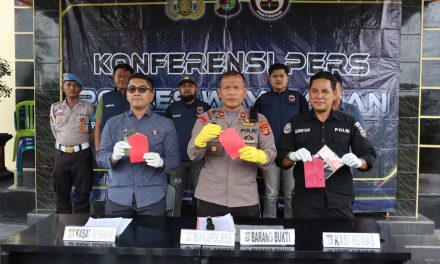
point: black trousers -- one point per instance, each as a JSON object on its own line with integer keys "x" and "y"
{"x": 113, "y": 209}
{"x": 73, "y": 169}
{"x": 302, "y": 210}
{"x": 205, "y": 209}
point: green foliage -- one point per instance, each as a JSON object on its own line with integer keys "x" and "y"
{"x": 5, "y": 91}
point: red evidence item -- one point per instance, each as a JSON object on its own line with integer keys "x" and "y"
{"x": 139, "y": 146}
{"x": 232, "y": 142}
{"x": 314, "y": 173}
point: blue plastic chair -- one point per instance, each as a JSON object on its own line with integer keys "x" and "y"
{"x": 24, "y": 124}
{"x": 25, "y": 144}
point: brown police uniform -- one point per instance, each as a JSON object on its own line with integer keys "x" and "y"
{"x": 227, "y": 182}
{"x": 73, "y": 156}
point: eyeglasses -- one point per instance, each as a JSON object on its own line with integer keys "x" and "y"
{"x": 140, "y": 89}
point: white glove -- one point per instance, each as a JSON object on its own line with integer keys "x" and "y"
{"x": 153, "y": 159}
{"x": 119, "y": 150}
{"x": 301, "y": 154}
{"x": 351, "y": 160}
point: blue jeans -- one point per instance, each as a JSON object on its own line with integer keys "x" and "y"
{"x": 179, "y": 177}
{"x": 272, "y": 187}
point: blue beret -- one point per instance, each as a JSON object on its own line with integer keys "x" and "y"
{"x": 72, "y": 77}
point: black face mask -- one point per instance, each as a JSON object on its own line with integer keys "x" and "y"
{"x": 187, "y": 98}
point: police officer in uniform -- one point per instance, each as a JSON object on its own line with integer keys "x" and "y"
{"x": 304, "y": 135}
{"x": 114, "y": 102}
{"x": 226, "y": 185}
{"x": 184, "y": 114}
{"x": 70, "y": 124}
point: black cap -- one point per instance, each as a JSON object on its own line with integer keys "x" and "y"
{"x": 187, "y": 79}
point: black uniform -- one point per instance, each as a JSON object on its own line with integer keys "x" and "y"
{"x": 339, "y": 132}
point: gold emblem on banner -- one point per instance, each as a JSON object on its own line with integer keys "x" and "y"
{"x": 185, "y": 9}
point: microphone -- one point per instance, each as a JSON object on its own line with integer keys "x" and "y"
{"x": 209, "y": 224}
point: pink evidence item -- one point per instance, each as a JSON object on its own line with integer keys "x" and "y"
{"x": 139, "y": 146}
{"x": 314, "y": 173}
{"x": 232, "y": 142}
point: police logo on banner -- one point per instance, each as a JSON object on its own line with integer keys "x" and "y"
{"x": 227, "y": 8}
{"x": 269, "y": 9}
{"x": 185, "y": 9}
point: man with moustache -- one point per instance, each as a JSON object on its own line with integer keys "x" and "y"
{"x": 138, "y": 188}
{"x": 114, "y": 102}
{"x": 70, "y": 124}
{"x": 226, "y": 185}
{"x": 184, "y": 114}
{"x": 305, "y": 134}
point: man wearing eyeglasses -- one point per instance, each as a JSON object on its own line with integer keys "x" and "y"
{"x": 184, "y": 114}
{"x": 229, "y": 185}
{"x": 114, "y": 102}
{"x": 70, "y": 124}
{"x": 138, "y": 188}
{"x": 279, "y": 105}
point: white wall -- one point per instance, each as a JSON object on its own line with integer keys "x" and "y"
{"x": 7, "y": 52}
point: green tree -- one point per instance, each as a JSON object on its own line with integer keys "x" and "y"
{"x": 5, "y": 91}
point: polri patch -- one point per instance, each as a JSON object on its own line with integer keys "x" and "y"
{"x": 264, "y": 127}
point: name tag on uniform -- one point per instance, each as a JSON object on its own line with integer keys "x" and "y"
{"x": 267, "y": 237}
{"x": 84, "y": 233}
{"x": 351, "y": 240}
{"x": 207, "y": 237}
